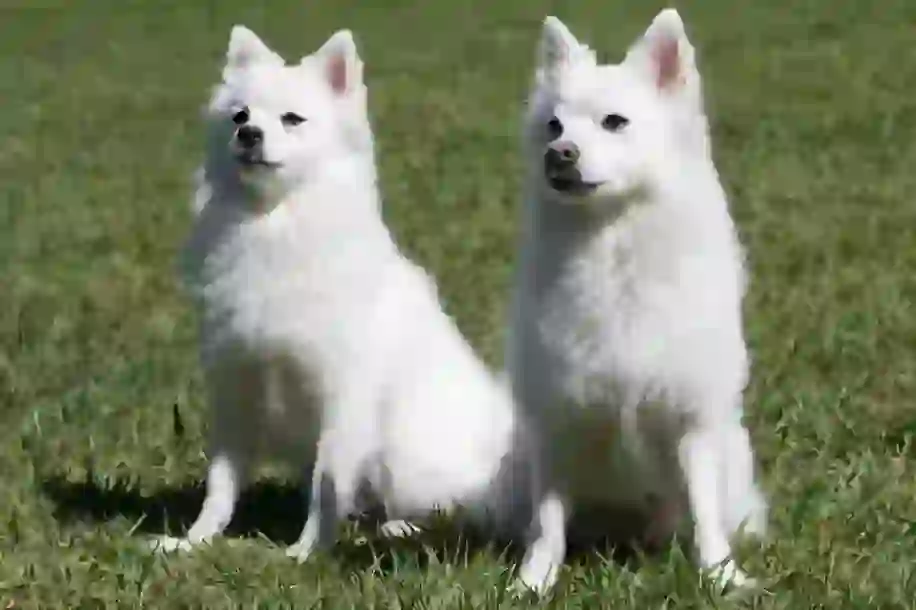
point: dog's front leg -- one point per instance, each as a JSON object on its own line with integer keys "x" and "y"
{"x": 342, "y": 451}
{"x": 226, "y": 476}
{"x": 320, "y": 529}
{"x": 743, "y": 505}
{"x": 225, "y": 480}
{"x": 699, "y": 459}
{"x": 547, "y": 542}
{"x": 234, "y": 389}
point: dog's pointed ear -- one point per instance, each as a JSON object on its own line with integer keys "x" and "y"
{"x": 664, "y": 54}
{"x": 340, "y": 61}
{"x": 558, "y": 47}
{"x": 246, "y": 49}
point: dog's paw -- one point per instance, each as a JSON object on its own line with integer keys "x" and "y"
{"x": 527, "y": 587}
{"x": 533, "y": 578}
{"x": 300, "y": 551}
{"x": 398, "y": 528}
{"x": 729, "y": 575}
{"x": 517, "y": 589}
{"x": 520, "y": 588}
{"x": 170, "y": 544}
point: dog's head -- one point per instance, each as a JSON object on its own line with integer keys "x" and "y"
{"x": 602, "y": 132}
{"x": 278, "y": 124}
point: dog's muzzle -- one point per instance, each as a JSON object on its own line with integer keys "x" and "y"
{"x": 561, "y": 168}
{"x": 249, "y": 136}
{"x": 250, "y": 146}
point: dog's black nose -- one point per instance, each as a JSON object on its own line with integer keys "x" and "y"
{"x": 249, "y": 136}
{"x": 560, "y": 166}
{"x": 561, "y": 155}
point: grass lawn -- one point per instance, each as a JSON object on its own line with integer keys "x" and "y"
{"x": 814, "y": 118}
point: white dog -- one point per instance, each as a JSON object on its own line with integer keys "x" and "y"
{"x": 320, "y": 340}
{"x": 626, "y": 342}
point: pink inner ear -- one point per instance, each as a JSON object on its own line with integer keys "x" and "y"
{"x": 337, "y": 73}
{"x": 667, "y": 59}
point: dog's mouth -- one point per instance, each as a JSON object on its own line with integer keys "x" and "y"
{"x": 255, "y": 160}
{"x": 569, "y": 185}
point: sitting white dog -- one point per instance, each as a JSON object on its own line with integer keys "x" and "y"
{"x": 320, "y": 341}
{"x": 626, "y": 342}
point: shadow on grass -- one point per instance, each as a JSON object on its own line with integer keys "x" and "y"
{"x": 278, "y": 511}
{"x": 266, "y": 508}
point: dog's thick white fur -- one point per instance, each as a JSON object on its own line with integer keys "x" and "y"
{"x": 320, "y": 340}
{"x": 626, "y": 341}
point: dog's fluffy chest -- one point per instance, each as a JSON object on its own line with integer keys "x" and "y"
{"x": 610, "y": 313}
{"x": 634, "y": 311}
{"x": 269, "y": 287}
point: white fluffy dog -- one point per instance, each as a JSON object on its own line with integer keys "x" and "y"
{"x": 320, "y": 340}
{"x": 626, "y": 342}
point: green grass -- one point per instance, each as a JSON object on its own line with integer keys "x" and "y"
{"x": 814, "y": 114}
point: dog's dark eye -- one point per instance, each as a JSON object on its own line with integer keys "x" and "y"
{"x": 554, "y": 128}
{"x": 240, "y": 117}
{"x": 291, "y": 119}
{"x": 615, "y": 122}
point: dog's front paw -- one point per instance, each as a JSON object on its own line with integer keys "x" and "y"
{"x": 170, "y": 544}
{"x": 518, "y": 589}
{"x": 398, "y": 528}
{"x": 536, "y": 577}
{"x": 300, "y": 551}
{"x": 523, "y": 587}
{"x": 729, "y": 575}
